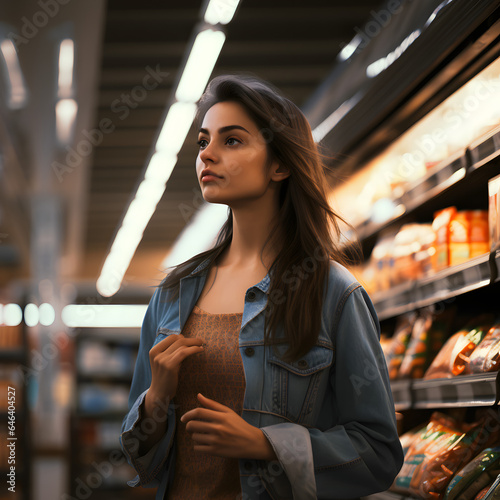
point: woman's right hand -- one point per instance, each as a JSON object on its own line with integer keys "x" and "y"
{"x": 166, "y": 358}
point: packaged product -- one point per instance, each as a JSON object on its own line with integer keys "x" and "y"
{"x": 494, "y": 212}
{"x": 409, "y": 437}
{"x": 399, "y": 342}
{"x": 441, "y": 228}
{"x": 383, "y": 262}
{"x": 486, "y": 356}
{"x": 477, "y": 474}
{"x": 454, "y": 355}
{"x": 460, "y": 238}
{"x": 439, "y": 452}
{"x": 479, "y": 236}
{"x": 413, "y": 247}
{"x": 427, "y": 337}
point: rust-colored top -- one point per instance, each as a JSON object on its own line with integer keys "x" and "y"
{"x": 218, "y": 374}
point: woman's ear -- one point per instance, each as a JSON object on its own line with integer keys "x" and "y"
{"x": 279, "y": 172}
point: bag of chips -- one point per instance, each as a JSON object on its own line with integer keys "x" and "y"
{"x": 427, "y": 338}
{"x": 477, "y": 474}
{"x": 486, "y": 357}
{"x": 439, "y": 452}
{"x": 454, "y": 355}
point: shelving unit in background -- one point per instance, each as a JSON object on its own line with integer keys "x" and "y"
{"x": 462, "y": 181}
{"x": 104, "y": 364}
{"x": 14, "y": 353}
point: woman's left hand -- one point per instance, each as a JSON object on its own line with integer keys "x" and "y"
{"x": 218, "y": 430}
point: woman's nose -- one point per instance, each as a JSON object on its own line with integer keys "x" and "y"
{"x": 208, "y": 154}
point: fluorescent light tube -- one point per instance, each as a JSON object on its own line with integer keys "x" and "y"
{"x": 104, "y": 315}
{"x": 14, "y": 75}
{"x": 220, "y": 11}
{"x": 199, "y": 236}
{"x": 176, "y": 127}
{"x": 66, "y": 110}
{"x": 200, "y": 64}
{"x": 66, "y": 62}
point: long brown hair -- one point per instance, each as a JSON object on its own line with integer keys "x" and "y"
{"x": 309, "y": 225}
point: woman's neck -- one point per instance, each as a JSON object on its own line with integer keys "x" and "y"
{"x": 252, "y": 227}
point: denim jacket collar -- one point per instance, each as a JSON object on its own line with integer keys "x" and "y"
{"x": 191, "y": 287}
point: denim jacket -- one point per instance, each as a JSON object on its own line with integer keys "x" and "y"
{"x": 329, "y": 416}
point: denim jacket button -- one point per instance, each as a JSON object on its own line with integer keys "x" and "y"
{"x": 249, "y": 351}
{"x": 302, "y": 364}
{"x": 251, "y": 296}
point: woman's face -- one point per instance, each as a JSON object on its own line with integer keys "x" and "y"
{"x": 232, "y": 148}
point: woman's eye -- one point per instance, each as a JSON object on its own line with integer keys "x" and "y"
{"x": 202, "y": 143}
{"x": 232, "y": 141}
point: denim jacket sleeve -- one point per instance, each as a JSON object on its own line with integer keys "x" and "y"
{"x": 150, "y": 466}
{"x": 359, "y": 453}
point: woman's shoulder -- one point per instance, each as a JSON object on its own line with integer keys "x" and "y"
{"x": 339, "y": 277}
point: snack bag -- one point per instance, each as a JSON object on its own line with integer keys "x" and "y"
{"x": 427, "y": 338}
{"x": 399, "y": 342}
{"x": 454, "y": 356}
{"x": 409, "y": 437}
{"x": 477, "y": 474}
{"x": 486, "y": 356}
{"x": 440, "y": 451}
{"x": 441, "y": 428}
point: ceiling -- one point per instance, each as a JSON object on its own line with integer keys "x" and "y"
{"x": 292, "y": 44}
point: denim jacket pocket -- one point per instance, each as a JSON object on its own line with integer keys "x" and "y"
{"x": 296, "y": 384}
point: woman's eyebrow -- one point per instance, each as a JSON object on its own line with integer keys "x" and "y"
{"x": 227, "y": 128}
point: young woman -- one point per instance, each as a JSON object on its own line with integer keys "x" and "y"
{"x": 259, "y": 373}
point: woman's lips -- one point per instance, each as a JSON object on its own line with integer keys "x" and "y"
{"x": 209, "y": 178}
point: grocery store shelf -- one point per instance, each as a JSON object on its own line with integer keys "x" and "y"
{"x": 443, "y": 285}
{"x": 473, "y": 390}
{"x": 485, "y": 149}
{"x": 442, "y": 176}
{"x": 402, "y": 394}
{"x": 460, "y": 391}
{"x": 438, "y": 179}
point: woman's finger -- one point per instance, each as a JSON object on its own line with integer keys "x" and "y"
{"x": 200, "y": 414}
{"x": 164, "y": 344}
{"x": 201, "y": 439}
{"x": 198, "y": 426}
{"x": 213, "y": 405}
{"x": 182, "y": 353}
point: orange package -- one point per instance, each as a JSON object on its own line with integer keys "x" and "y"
{"x": 454, "y": 356}
{"x": 439, "y": 452}
{"x": 460, "y": 238}
{"x": 441, "y": 228}
{"x": 479, "y": 233}
{"x": 486, "y": 356}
